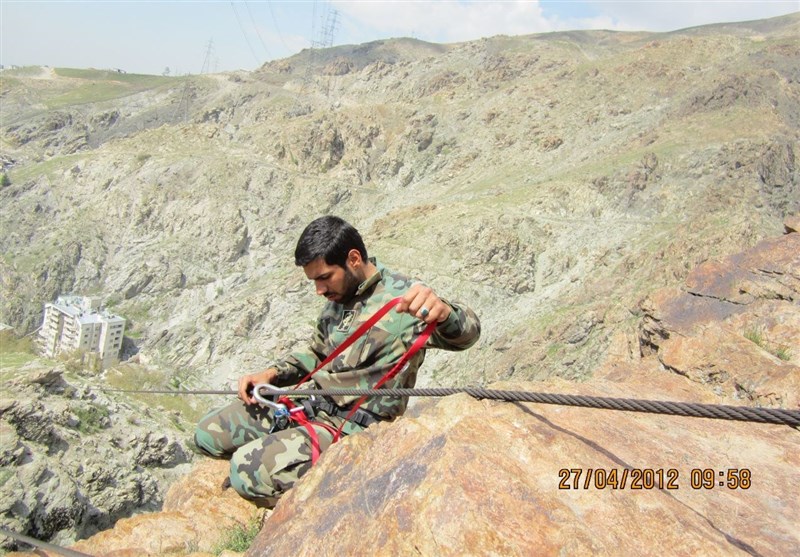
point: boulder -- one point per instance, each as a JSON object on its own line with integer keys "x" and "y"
{"x": 466, "y": 477}
{"x": 198, "y": 511}
{"x": 735, "y": 325}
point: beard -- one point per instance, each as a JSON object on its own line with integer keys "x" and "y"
{"x": 349, "y": 289}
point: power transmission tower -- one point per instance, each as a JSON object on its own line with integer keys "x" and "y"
{"x": 209, "y": 53}
{"x": 330, "y": 21}
{"x": 328, "y": 30}
{"x": 326, "y": 38}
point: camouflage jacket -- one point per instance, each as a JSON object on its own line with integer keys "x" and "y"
{"x": 364, "y": 363}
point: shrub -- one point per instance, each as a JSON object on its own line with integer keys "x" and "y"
{"x": 239, "y": 538}
{"x": 757, "y": 336}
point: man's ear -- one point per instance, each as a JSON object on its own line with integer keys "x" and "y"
{"x": 354, "y": 258}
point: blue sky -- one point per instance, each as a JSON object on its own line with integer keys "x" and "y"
{"x": 188, "y": 36}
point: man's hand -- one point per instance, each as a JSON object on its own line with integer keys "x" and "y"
{"x": 248, "y": 382}
{"x": 423, "y": 303}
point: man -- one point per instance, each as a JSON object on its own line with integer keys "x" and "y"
{"x": 267, "y": 455}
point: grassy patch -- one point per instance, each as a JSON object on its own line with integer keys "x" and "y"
{"x": 5, "y": 473}
{"x": 15, "y": 360}
{"x": 782, "y": 352}
{"x": 50, "y": 168}
{"x": 14, "y": 351}
{"x": 92, "y": 416}
{"x": 134, "y": 377}
{"x": 240, "y": 538}
{"x": 103, "y": 85}
{"x": 757, "y": 336}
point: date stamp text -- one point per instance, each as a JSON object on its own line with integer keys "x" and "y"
{"x": 652, "y": 478}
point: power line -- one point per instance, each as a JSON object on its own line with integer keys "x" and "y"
{"x": 258, "y": 33}
{"x": 277, "y": 27}
{"x": 244, "y": 34}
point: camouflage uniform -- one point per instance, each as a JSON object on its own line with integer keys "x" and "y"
{"x": 264, "y": 465}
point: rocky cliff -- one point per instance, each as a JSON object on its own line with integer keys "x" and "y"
{"x": 75, "y": 459}
{"x": 459, "y": 476}
{"x": 534, "y": 177}
{"x": 564, "y": 185}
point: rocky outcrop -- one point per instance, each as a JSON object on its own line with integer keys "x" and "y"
{"x": 74, "y": 460}
{"x": 465, "y": 477}
{"x": 199, "y": 512}
{"x": 735, "y": 324}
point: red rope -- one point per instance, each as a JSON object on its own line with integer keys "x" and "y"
{"x": 300, "y": 415}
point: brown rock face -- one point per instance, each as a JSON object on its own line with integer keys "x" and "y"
{"x": 197, "y": 512}
{"x": 735, "y": 326}
{"x": 466, "y": 477}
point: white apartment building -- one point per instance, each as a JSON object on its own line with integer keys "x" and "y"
{"x": 78, "y": 323}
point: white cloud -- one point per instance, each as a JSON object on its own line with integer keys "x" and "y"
{"x": 442, "y": 21}
{"x": 662, "y": 15}
{"x": 446, "y": 21}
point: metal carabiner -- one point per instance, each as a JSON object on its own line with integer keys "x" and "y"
{"x": 277, "y": 406}
{"x": 280, "y": 409}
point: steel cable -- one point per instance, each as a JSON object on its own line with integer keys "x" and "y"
{"x": 688, "y": 409}
{"x": 42, "y": 545}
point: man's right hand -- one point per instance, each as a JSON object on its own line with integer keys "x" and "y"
{"x": 248, "y": 382}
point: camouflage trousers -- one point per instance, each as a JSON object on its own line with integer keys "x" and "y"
{"x": 264, "y": 465}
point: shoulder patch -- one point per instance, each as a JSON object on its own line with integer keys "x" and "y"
{"x": 348, "y": 316}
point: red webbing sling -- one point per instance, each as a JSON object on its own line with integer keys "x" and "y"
{"x": 300, "y": 416}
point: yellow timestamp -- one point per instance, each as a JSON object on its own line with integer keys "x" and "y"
{"x": 652, "y": 478}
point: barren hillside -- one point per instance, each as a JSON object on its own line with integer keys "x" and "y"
{"x": 551, "y": 181}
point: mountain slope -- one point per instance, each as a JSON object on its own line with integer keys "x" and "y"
{"x": 550, "y": 181}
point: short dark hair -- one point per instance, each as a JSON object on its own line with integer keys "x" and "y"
{"x": 330, "y": 238}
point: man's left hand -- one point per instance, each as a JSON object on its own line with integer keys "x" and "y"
{"x": 422, "y": 302}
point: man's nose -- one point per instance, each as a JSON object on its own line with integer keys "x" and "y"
{"x": 321, "y": 289}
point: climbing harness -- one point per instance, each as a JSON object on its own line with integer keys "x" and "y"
{"x": 287, "y": 410}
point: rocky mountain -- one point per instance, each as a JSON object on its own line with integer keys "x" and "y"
{"x": 550, "y": 181}
{"x": 553, "y": 182}
{"x": 75, "y": 459}
{"x": 459, "y": 476}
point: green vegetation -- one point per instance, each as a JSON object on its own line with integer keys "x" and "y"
{"x": 5, "y": 181}
{"x": 14, "y": 351}
{"x": 5, "y": 473}
{"x": 103, "y": 85}
{"x": 50, "y": 168}
{"x": 91, "y": 416}
{"x": 133, "y": 376}
{"x": 79, "y": 361}
{"x": 757, "y": 336}
{"x": 240, "y": 538}
{"x": 782, "y": 352}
